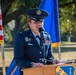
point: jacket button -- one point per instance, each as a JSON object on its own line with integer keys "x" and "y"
{"x": 40, "y": 59}
{"x": 40, "y": 52}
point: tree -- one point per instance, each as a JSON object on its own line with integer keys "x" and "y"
{"x": 14, "y": 9}
{"x": 67, "y": 18}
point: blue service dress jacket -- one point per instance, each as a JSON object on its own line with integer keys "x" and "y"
{"x": 27, "y": 49}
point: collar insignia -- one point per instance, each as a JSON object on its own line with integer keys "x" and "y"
{"x": 26, "y": 39}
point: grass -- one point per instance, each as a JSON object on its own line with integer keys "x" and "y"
{"x": 68, "y": 43}
{"x": 8, "y": 57}
{"x": 68, "y": 51}
{"x": 66, "y": 55}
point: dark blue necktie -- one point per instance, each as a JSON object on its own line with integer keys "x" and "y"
{"x": 41, "y": 44}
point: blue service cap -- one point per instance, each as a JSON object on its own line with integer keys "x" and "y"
{"x": 37, "y": 14}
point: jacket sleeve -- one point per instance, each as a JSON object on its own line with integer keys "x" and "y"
{"x": 19, "y": 52}
{"x": 49, "y": 57}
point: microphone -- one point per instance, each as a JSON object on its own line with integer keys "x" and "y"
{"x": 41, "y": 31}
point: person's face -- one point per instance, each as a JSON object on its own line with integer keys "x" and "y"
{"x": 34, "y": 25}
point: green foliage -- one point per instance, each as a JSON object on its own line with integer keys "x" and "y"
{"x": 7, "y": 34}
{"x": 15, "y": 10}
{"x": 67, "y": 20}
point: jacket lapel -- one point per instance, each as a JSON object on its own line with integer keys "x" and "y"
{"x": 33, "y": 40}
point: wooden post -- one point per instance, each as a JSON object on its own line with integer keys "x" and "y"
{"x": 3, "y": 60}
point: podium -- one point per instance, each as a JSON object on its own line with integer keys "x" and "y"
{"x": 50, "y": 69}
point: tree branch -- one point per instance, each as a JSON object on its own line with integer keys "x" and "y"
{"x": 13, "y": 15}
{"x": 5, "y": 6}
{"x": 66, "y": 4}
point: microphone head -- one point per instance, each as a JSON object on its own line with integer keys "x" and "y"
{"x": 41, "y": 29}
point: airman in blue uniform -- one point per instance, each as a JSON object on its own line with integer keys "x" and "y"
{"x": 27, "y": 50}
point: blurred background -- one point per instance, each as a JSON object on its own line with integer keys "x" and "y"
{"x": 15, "y": 20}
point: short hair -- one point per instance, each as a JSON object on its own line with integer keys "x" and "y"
{"x": 28, "y": 20}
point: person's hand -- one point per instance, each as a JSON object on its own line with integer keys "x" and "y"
{"x": 36, "y": 64}
{"x": 55, "y": 61}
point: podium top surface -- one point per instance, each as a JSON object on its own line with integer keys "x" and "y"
{"x": 50, "y": 69}
{"x": 55, "y": 65}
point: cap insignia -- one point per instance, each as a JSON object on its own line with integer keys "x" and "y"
{"x": 38, "y": 12}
